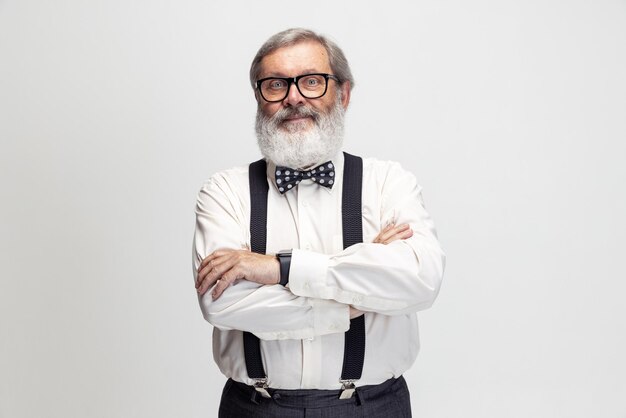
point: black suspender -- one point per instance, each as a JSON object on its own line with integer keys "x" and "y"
{"x": 354, "y": 348}
{"x": 352, "y": 224}
{"x": 258, "y": 237}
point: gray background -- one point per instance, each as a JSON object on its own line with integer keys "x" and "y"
{"x": 510, "y": 113}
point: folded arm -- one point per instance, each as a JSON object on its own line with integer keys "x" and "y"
{"x": 403, "y": 276}
{"x": 269, "y": 311}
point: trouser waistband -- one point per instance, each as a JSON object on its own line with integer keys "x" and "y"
{"x": 315, "y": 398}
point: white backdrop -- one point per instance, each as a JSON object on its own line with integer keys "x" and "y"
{"x": 512, "y": 114}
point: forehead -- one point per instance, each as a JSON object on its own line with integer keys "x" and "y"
{"x": 293, "y": 60}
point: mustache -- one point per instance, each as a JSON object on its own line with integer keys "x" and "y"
{"x": 290, "y": 112}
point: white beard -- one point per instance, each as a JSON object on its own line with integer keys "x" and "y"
{"x": 298, "y": 148}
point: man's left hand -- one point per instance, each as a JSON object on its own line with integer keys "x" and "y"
{"x": 223, "y": 267}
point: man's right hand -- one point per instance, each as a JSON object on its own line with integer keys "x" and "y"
{"x": 222, "y": 267}
{"x": 389, "y": 234}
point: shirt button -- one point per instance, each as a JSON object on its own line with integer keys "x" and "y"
{"x": 306, "y": 285}
{"x": 309, "y": 339}
{"x": 356, "y": 299}
{"x": 332, "y": 326}
{"x": 280, "y": 335}
{"x": 305, "y": 204}
{"x": 307, "y": 246}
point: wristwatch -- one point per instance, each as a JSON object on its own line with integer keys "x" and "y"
{"x": 284, "y": 258}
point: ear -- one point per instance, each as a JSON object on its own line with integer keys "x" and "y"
{"x": 345, "y": 94}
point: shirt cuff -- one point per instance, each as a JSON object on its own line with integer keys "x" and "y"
{"x": 307, "y": 274}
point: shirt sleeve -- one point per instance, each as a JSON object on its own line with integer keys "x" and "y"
{"x": 270, "y": 312}
{"x": 398, "y": 278}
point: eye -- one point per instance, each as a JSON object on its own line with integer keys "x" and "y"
{"x": 311, "y": 81}
{"x": 276, "y": 84}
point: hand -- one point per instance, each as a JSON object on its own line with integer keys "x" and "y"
{"x": 392, "y": 233}
{"x": 222, "y": 267}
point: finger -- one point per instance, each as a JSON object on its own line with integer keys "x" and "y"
{"x": 215, "y": 254}
{"x": 385, "y": 229}
{"x": 215, "y": 266}
{"x": 408, "y": 233}
{"x": 389, "y": 225}
{"x": 222, "y": 284}
{"x": 219, "y": 288}
{"x": 207, "y": 260}
{"x": 203, "y": 269}
{"x": 215, "y": 273}
{"x": 393, "y": 231}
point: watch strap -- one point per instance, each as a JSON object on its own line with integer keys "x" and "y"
{"x": 284, "y": 258}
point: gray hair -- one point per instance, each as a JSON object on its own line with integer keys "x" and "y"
{"x": 338, "y": 62}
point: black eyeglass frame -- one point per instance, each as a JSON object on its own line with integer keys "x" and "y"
{"x": 294, "y": 80}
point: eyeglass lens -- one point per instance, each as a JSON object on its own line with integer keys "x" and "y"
{"x": 310, "y": 86}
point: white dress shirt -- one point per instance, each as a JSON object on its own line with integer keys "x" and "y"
{"x": 302, "y": 326}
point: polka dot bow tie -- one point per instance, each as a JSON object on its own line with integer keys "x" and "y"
{"x": 288, "y": 178}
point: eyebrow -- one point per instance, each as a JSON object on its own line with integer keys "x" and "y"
{"x": 282, "y": 75}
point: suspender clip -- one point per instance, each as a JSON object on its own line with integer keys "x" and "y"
{"x": 347, "y": 389}
{"x": 260, "y": 385}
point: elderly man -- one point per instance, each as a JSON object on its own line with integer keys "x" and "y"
{"x": 311, "y": 263}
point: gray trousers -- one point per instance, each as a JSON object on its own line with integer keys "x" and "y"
{"x": 389, "y": 399}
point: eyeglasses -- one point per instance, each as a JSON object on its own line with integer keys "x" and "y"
{"x": 310, "y": 86}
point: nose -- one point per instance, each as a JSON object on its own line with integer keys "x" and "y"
{"x": 294, "y": 98}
